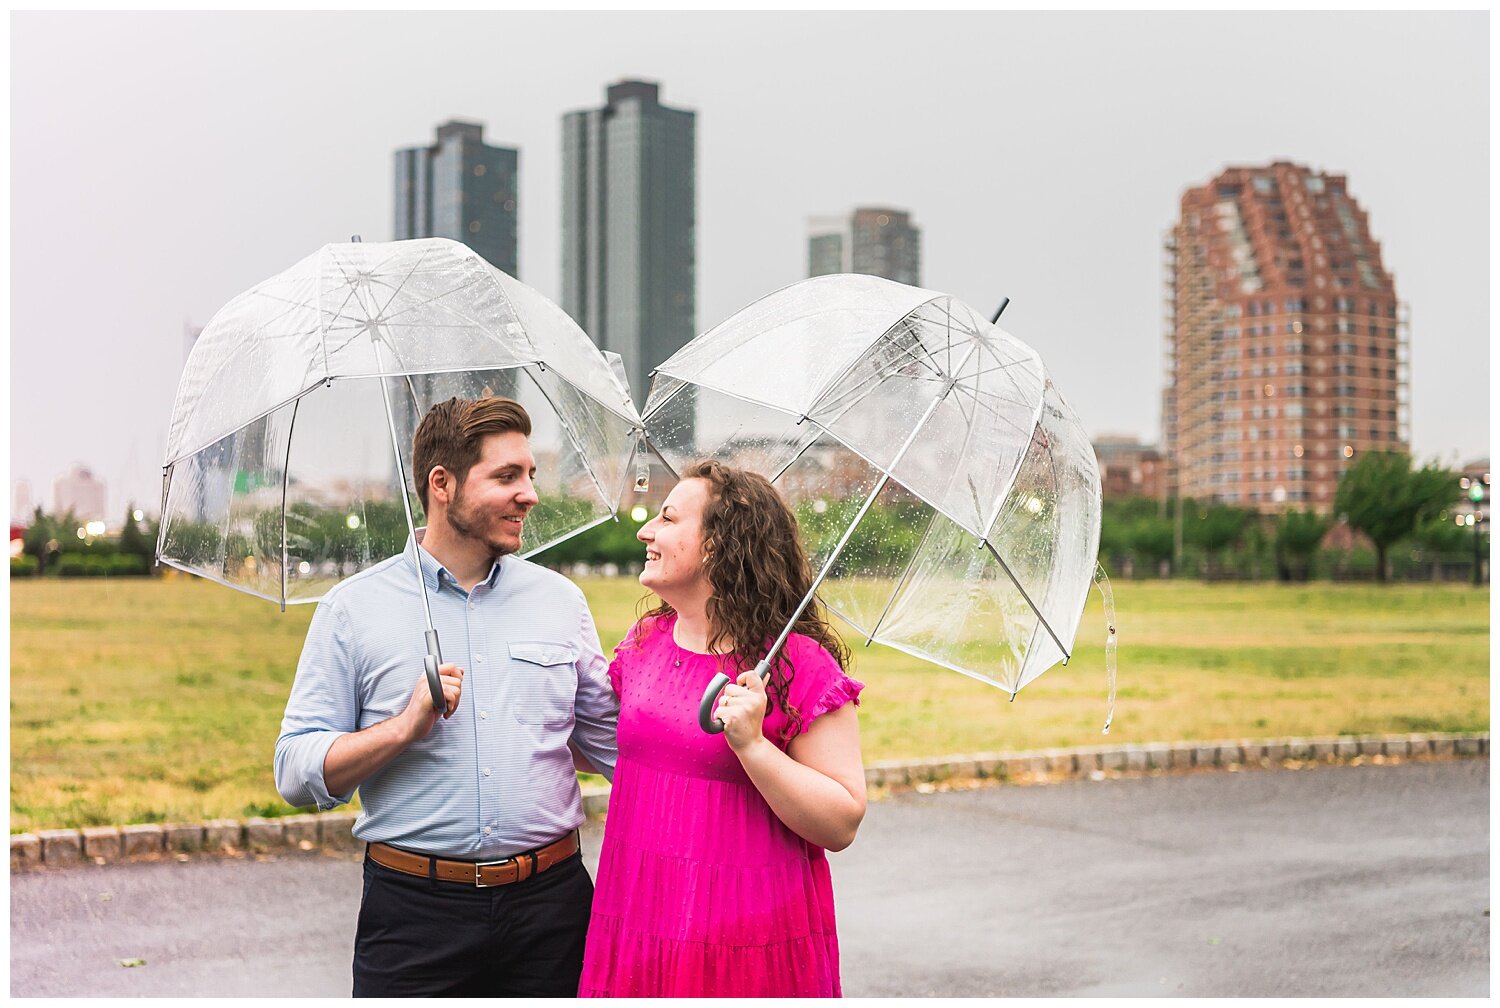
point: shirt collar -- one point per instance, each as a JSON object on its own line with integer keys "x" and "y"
{"x": 435, "y": 575}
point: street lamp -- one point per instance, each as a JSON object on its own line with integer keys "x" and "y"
{"x": 1478, "y": 491}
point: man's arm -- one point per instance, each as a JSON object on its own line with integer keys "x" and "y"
{"x": 324, "y": 704}
{"x": 356, "y": 755}
{"x": 596, "y": 709}
{"x": 321, "y": 755}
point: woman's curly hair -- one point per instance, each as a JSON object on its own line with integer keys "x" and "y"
{"x": 759, "y": 572}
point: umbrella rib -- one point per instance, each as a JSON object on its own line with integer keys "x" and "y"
{"x": 837, "y": 379}
{"x": 905, "y": 574}
{"x": 800, "y": 451}
{"x": 286, "y": 473}
{"x": 1017, "y": 582}
{"x": 1036, "y": 419}
{"x": 436, "y": 299}
{"x": 402, "y": 285}
{"x": 992, "y": 411}
{"x": 888, "y": 369}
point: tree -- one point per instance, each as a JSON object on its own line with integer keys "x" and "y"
{"x": 1382, "y": 496}
{"x": 133, "y": 541}
{"x": 1216, "y": 528}
{"x": 40, "y": 540}
{"x": 1151, "y": 539}
{"x": 1298, "y": 535}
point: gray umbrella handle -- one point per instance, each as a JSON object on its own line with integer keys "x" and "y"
{"x": 431, "y": 661}
{"x": 711, "y": 695}
{"x": 706, "y": 706}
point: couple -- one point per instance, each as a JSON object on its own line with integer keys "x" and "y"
{"x": 712, "y": 876}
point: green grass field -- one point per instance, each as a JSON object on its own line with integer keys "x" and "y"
{"x": 160, "y": 700}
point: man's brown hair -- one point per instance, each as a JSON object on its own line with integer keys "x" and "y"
{"x": 452, "y": 434}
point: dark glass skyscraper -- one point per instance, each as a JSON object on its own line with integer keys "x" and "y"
{"x": 460, "y": 188}
{"x": 464, "y": 189}
{"x": 629, "y": 183}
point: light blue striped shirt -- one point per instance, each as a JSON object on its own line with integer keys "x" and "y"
{"x": 496, "y": 778}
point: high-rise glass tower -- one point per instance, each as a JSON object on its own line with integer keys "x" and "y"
{"x": 877, "y": 241}
{"x": 464, "y": 189}
{"x": 628, "y": 220}
{"x": 460, "y": 188}
{"x": 1287, "y": 348}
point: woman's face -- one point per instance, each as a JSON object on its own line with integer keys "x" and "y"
{"x": 674, "y": 545}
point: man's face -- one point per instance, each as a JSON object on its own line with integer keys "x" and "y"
{"x": 491, "y": 503}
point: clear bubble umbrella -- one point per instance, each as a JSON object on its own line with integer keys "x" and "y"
{"x": 948, "y": 494}
{"x": 288, "y": 461}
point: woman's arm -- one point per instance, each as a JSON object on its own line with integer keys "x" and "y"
{"x": 817, "y": 787}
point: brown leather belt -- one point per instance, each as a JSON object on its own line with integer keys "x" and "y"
{"x": 482, "y": 874}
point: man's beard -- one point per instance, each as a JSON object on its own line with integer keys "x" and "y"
{"x": 461, "y": 521}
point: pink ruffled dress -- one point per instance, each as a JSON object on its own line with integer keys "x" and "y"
{"x": 701, "y": 890}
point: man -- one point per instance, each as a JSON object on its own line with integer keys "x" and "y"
{"x": 473, "y": 880}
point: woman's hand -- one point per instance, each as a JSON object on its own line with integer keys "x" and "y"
{"x": 742, "y": 708}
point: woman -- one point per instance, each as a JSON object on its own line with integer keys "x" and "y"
{"x": 712, "y": 878}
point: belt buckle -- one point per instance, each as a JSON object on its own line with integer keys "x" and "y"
{"x": 522, "y": 874}
{"x": 479, "y": 882}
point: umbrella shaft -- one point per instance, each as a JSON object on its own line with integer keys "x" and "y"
{"x": 885, "y": 478}
{"x": 390, "y": 419}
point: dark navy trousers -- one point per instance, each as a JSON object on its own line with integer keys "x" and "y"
{"x": 422, "y": 937}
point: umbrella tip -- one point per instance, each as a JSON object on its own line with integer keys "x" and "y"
{"x": 998, "y": 311}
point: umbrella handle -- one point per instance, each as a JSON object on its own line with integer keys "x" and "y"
{"x": 435, "y": 684}
{"x": 706, "y": 706}
{"x": 431, "y": 661}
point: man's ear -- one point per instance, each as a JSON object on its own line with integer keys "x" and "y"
{"x": 440, "y": 486}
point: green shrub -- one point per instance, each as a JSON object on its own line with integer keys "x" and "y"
{"x": 127, "y": 565}
{"x": 22, "y": 566}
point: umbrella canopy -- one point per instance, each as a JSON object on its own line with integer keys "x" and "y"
{"x": 943, "y": 485}
{"x": 289, "y": 451}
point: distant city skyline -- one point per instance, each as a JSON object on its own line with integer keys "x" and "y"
{"x": 1057, "y": 197}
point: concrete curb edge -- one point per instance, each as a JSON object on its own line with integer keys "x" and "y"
{"x": 333, "y": 830}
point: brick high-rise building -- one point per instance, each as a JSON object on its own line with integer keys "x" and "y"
{"x": 1287, "y": 349}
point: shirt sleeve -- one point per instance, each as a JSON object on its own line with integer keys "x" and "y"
{"x": 323, "y": 705}
{"x": 819, "y": 685}
{"x": 596, "y": 707}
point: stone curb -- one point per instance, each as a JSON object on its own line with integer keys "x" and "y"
{"x": 333, "y": 830}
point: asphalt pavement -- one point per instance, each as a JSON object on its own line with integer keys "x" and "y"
{"x": 1329, "y": 881}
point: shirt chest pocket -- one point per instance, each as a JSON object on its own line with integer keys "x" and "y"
{"x": 541, "y": 682}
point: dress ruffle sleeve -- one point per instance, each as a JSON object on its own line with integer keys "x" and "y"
{"x": 625, "y": 651}
{"x": 819, "y": 685}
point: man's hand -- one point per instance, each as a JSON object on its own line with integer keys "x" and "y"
{"x": 420, "y": 715}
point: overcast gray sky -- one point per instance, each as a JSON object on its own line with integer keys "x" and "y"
{"x": 162, "y": 163}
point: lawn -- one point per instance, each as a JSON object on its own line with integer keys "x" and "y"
{"x": 160, "y": 700}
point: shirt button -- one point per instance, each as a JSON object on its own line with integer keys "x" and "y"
{"x": 479, "y": 659}
{"x": 483, "y": 715}
{"x": 486, "y": 771}
{"x": 487, "y": 831}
